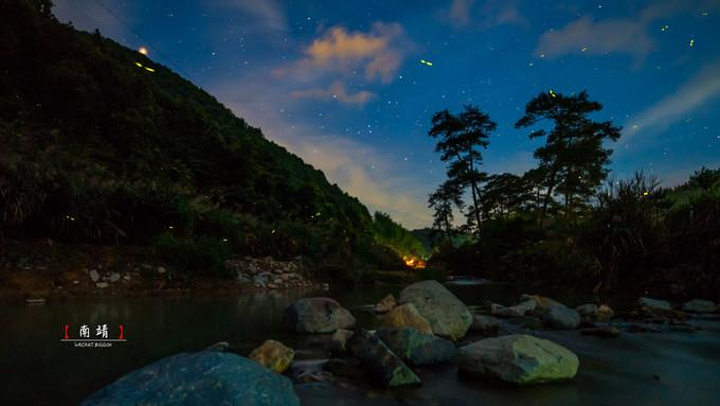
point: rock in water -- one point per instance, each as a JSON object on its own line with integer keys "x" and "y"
{"x": 448, "y": 316}
{"x": 381, "y": 362}
{"x": 561, "y": 317}
{"x": 588, "y": 310}
{"x": 604, "y": 312}
{"x": 274, "y": 355}
{"x": 654, "y": 304}
{"x": 203, "y": 378}
{"x": 318, "y": 315}
{"x": 339, "y": 340}
{"x": 518, "y": 359}
{"x": 386, "y": 304}
{"x": 484, "y": 324}
{"x": 406, "y": 315}
{"x": 417, "y": 348}
{"x": 519, "y": 310}
{"x": 699, "y": 306}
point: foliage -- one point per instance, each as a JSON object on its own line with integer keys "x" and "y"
{"x": 391, "y": 234}
{"x": 460, "y": 138}
{"x": 99, "y": 150}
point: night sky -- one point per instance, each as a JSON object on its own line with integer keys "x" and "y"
{"x": 341, "y": 84}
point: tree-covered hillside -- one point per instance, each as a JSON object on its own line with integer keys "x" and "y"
{"x": 102, "y": 145}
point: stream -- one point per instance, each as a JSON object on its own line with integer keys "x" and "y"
{"x": 635, "y": 369}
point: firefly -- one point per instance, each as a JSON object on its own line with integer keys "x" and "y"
{"x": 692, "y": 42}
{"x": 149, "y": 69}
{"x": 427, "y": 63}
{"x": 664, "y": 28}
{"x": 552, "y": 93}
{"x": 143, "y": 50}
{"x": 584, "y": 49}
{"x": 645, "y": 193}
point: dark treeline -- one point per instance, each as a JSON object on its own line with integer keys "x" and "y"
{"x": 98, "y": 149}
{"x": 567, "y": 222}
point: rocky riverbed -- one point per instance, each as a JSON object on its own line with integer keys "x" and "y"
{"x": 649, "y": 353}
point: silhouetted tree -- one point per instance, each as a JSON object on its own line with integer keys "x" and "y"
{"x": 447, "y": 196}
{"x": 461, "y": 137}
{"x": 573, "y": 162}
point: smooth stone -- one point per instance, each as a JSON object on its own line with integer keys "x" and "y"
{"x": 519, "y": 310}
{"x": 654, "y": 304}
{"x": 589, "y": 309}
{"x": 203, "y": 378}
{"x": 273, "y": 355}
{"x": 604, "y": 312}
{"x": 447, "y": 315}
{"x": 318, "y": 315}
{"x": 102, "y": 285}
{"x": 406, "y": 315}
{"x": 561, "y": 317}
{"x": 699, "y": 306}
{"x": 484, "y": 324}
{"x": 339, "y": 340}
{"x": 518, "y": 359}
{"x": 386, "y": 304}
{"x": 94, "y": 275}
{"x": 416, "y": 348}
{"x": 377, "y": 358}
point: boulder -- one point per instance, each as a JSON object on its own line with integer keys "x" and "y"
{"x": 202, "y": 378}
{"x": 338, "y": 342}
{"x": 654, "y": 304}
{"x": 699, "y": 306}
{"x": 519, "y": 310}
{"x": 273, "y": 355}
{"x": 603, "y": 331}
{"x": 377, "y": 358}
{"x": 386, "y": 304}
{"x": 318, "y": 315}
{"x": 484, "y": 324}
{"x": 94, "y": 275}
{"x": 406, "y": 315}
{"x": 448, "y": 316}
{"x": 518, "y": 359}
{"x": 416, "y": 348}
{"x": 604, "y": 312}
{"x": 561, "y": 317}
{"x": 587, "y": 310}
{"x": 542, "y": 303}
{"x": 114, "y": 277}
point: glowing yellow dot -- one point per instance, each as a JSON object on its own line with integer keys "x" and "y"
{"x": 664, "y": 28}
{"x": 143, "y": 50}
{"x": 171, "y": 227}
{"x": 584, "y": 49}
{"x": 138, "y": 64}
{"x": 645, "y": 193}
{"x": 552, "y": 93}
{"x": 692, "y": 42}
{"x": 149, "y": 69}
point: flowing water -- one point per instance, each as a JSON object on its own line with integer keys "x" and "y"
{"x": 636, "y": 369}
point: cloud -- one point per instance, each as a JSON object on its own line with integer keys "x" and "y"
{"x": 378, "y": 53}
{"x": 265, "y": 13}
{"x": 700, "y": 89}
{"x": 486, "y": 15}
{"x": 628, "y": 35}
{"x": 337, "y": 92}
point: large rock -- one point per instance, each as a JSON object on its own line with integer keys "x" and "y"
{"x": 699, "y": 306}
{"x": 518, "y": 359}
{"x": 337, "y": 344}
{"x": 448, "y": 316}
{"x": 587, "y": 310}
{"x": 406, "y": 315}
{"x": 519, "y": 310}
{"x": 386, "y": 304}
{"x": 604, "y": 312}
{"x": 318, "y": 315}
{"x": 381, "y": 362}
{"x": 654, "y": 304}
{"x": 416, "y": 348}
{"x": 274, "y": 355}
{"x": 561, "y": 317}
{"x": 484, "y": 324}
{"x": 203, "y": 378}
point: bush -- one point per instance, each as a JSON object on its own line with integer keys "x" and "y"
{"x": 201, "y": 255}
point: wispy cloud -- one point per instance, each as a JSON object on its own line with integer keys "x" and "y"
{"x": 336, "y": 92}
{"x": 483, "y": 15}
{"x": 699, "y": 90}
{"x": 378, "y": 53}
{"x": 267, "y": 14}
{"x": 627, "y": 35}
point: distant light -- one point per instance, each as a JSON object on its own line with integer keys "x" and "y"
{"x": 645, "y": 193}
{"x": 149, "y": 69}
{"x": 584, "y": 49}
{"x": 426, "y": 63}
{"x": 143, "y": 50}
{"x": 138, "y": 64}
{"x": 664, "y": 28}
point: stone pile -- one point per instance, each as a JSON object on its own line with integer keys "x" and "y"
{"x": 268, "y": 273}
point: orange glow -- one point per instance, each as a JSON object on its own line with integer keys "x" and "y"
{"x": 143, "y": 50}
{"x": 413, "y": 262}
